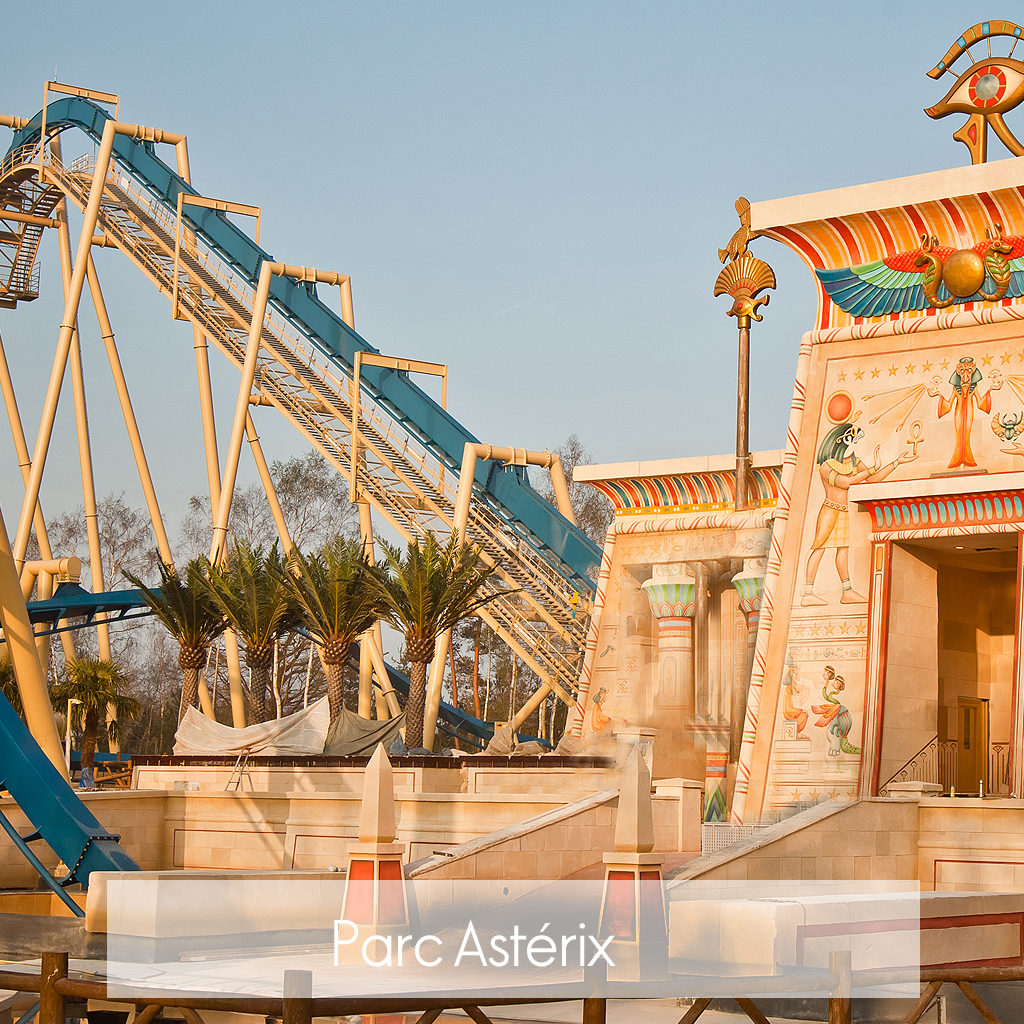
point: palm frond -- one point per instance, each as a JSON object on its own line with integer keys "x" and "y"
{"x": 184, "y": 606}
{"x": 248, "y": 590}
{"x": 430, "y": 587}
{"x": 335, "y": 590}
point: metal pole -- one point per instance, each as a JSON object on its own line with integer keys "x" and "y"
{"x": 21, "y": 647}
{"x": 462, "y": 502}
{"x": 743, "y": 417}
{"x": 365, "y": 662}
{"x": 82, "y": 429}
{"x": 218, "y": 546}
{"x": 434, "y": 688}
{"x": 67, "y": 328}
{"x": 206, "y": 411}
{"x": 268, "y": 483}
{"x": 234, "y": 679}
{"x": 38, "y": 520}
{"x": 128, "y": 412}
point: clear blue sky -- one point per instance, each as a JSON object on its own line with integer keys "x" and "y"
{"x": 533, "y": 193}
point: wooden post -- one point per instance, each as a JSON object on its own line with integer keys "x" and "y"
{"x": 53, "y": 968}
{"x": 298, "y": 997}
{"x": 595, "y": 1011}
{"x": 839, "y": 1005}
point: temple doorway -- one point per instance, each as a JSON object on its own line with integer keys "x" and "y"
{"x": 949, "y": 665}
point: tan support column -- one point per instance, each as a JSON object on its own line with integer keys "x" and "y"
{"x": 92, "y": 529}
{"x": 365, "y": 661}
{"x": 434, "y": 684}
{"x": 38, "y": 520}
{"x": 128, "y": 412}
{"x": 67, "y": 328}
{"x": 268, "y": 484}
{"x": 206, "y": 411}
{"x": 377, "y": 657}
{"x": 27, "y": 671}
{"x": 218, "y": 546}
{"x": 234, "y": 680}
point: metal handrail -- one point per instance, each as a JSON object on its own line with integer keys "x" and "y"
{"x": 410, "y": 484}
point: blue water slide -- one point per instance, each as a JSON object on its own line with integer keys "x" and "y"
{"x": 506, "y": 489}
{"x": 58, "y": 817}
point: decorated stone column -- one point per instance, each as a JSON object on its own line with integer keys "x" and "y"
{"x": 672, "y": 605}
{"x": 750, "y": 586}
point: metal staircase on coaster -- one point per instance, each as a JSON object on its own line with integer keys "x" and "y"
{"x": 409, "y": 449}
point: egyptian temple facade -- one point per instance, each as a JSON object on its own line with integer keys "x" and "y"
{"x": 859, "y": 622}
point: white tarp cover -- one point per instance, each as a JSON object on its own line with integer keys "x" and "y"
{"x": 301, "y": 733}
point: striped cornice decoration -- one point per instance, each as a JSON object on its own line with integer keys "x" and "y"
{"x": 690, "y": 492}
{"x": 855, "y": 239}
{"x": 947, "y": 514}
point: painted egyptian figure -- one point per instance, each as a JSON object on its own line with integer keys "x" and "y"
{"x": 965, "y": 380}
{"x": 793, "y": 690}
{"x": 598, "y": 718}
{"x": 839, "y": 469}
{"x": 834, "y": 714}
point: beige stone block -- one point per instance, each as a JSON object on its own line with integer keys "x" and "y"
{"x": 528, "y": 862}
{"x": 790, "y": 867}
{"x": 1003, "y": 819}
{"x": 903, "y": 843}
{"x": 833, "y": 844}
{"x": 862, "y": 868}
{"x": 843, "y": 867}
{"x": 549, "y": 863}
{"x": 997, "y": 874}
{"x": 556, "y": 837}
{"x": 764, "y": 868}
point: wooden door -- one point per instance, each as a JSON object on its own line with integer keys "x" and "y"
{"x": 972, "y": 745}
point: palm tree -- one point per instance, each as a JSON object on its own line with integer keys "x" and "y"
{"x": 248, "y": 589}
{"x": 337, "y": 594}
{"x": 189, "y": 614}
{"x": 96, "y": 685}
{"x": 9, "y": 685}
{"x": 427, "y": 591}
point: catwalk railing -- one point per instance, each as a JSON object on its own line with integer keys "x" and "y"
{"x": 399, "y": 471}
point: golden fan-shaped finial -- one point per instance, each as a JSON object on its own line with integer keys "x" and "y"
{"x": 743, "y": 279}
{"x": 747, "y": 273}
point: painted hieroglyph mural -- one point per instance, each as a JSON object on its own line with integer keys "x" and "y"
{"x": 907, "y": 432}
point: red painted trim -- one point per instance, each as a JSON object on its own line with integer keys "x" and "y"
{"x": 923, "y": 924}
{"x": 319, "y": 835}
{"x": 844, "y": 231}
{"x": 883, "y": 657}
{"x": 888, "y": 242}
{"x": 802, "y": 244}
{"x": 992, "y": 208}
{"x": 958, "y": 221}
{"x": 917, "y": 220}
{"x": 814, "y": 931}
{"x": 1015, "y": 740}
{"x": 980, "y": 920}
{"x": 965, "y": 860}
